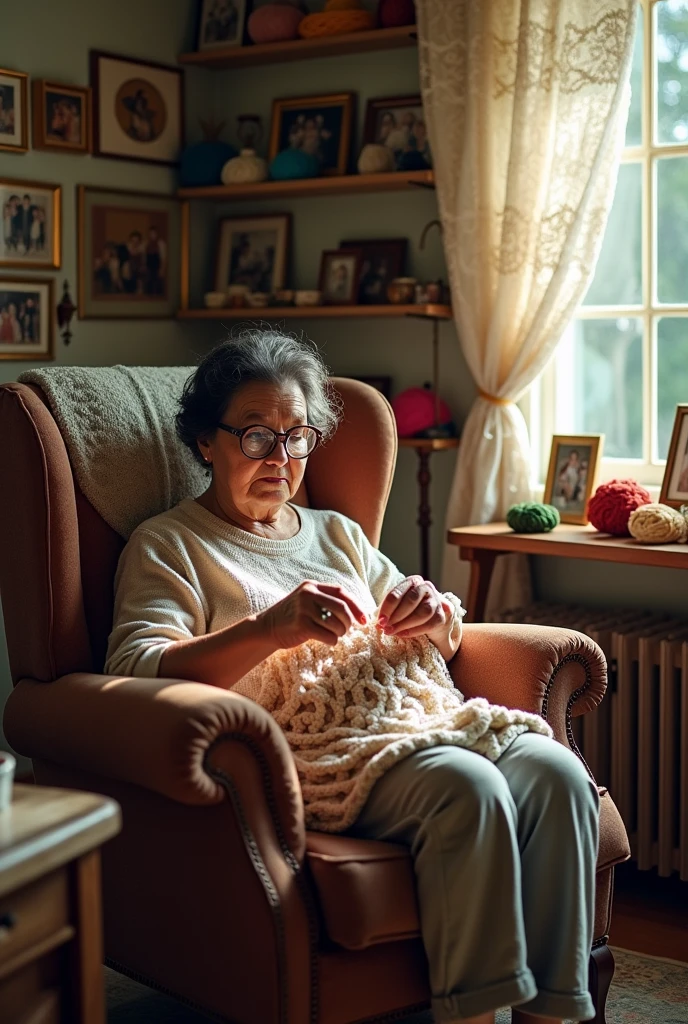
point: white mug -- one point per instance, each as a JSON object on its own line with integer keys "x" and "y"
{"x": 7, "y": 766}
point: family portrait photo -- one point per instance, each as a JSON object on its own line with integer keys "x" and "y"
{"x": 339, "y": 276}
{"x": 572, "y": 474}
{"x": 25, "y": 309}
{"x": 382, "y": 260}
{"x": 399, "y": 124}
{"x": 128, "y": 252}
{"x": 317, "y": 125}
{"x": 13, "y": 111}
{"x": 61, "y": 117}
{"x": 29, "y": 225}
{"x": 674, "y": 489}
{"x": 252, "y": 252}
{"x": 221, "y": 23}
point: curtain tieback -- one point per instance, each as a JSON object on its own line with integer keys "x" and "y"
{"x": 494, "y": 399}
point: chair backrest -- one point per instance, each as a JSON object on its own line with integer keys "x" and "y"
{"x": 58, "y": 556}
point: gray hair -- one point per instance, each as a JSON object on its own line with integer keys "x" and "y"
{"x": 255, "y": 354}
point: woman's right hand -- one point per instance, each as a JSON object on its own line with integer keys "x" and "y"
{"x": 298, "y": 616}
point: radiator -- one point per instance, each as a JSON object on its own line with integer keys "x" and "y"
{"x": 636, "y": 741}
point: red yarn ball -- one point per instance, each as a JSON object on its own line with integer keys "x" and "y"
{"x": 414, "y": 411}
{"x": 611, "y": 506}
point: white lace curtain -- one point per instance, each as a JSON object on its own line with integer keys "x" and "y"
{"x": 526, "y": 105}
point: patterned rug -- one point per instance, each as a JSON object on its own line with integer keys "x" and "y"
{"x": 645, "y": 990}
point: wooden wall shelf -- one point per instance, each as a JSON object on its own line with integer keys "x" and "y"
{"x": 342, "y": 184}
{"x": 428, "y": 312}
{"x": 302, "y": 49}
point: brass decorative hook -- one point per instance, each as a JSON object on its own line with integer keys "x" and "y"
{"x": 427, "y": 227}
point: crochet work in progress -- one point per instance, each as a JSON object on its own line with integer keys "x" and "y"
{"x": 352, "y": 711}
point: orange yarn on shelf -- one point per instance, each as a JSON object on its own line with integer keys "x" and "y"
{"x": 611, "y": 506}
{"x": 335, "y": 23}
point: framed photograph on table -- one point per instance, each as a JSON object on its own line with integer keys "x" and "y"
{"x": 138, "y": 109}
{"x": 340, "y": 271}
{"x": 26, "y": 318}
{"x": 674, "y": 490}
{"x": 383, "y": 259}
{"x": 398, "y": 123}
{"x": 319, "y": 125}
{"x": 252, "y": 251}
{"x": 220, "y": 24}
{"x": 31, "y": 220}
{"x": 61, "y": 117}
{"x": 14, "y": 120}
{"x": 129, "y": 252}
{"x": 572, "y": 474}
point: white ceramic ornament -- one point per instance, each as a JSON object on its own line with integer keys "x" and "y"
{"x": 375, "y": 159}
{"x": 244, "y": 169}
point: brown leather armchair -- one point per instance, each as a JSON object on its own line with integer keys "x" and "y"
{"x": 214, "y": 891}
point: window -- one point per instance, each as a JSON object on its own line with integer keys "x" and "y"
{"x": 622, "y": 366}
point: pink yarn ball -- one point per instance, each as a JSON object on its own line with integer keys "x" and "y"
{"x": 611, "y": 506}
{"x": 274, "y": 23}
{"x": 414, "y": 410}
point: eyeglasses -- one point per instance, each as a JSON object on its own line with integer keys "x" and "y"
{"x": 257, "y": 442}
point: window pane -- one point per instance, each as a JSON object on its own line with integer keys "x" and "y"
{"x": 634, "y": 135}
{"x": 671, "y": 230}
{"x": 672, "y": 375}
{"x": 618, "y": 274}
{"x": 671, "y": 50}
{"x": 607, "y": 384}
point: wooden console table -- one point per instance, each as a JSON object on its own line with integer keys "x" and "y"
{"x": 480, "y": 545}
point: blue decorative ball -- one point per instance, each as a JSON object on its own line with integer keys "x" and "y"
{"x": 294, "y": 163}
{"x": 202, "y": 163}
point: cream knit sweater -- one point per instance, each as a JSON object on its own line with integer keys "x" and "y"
{"x": 349, "y": 712}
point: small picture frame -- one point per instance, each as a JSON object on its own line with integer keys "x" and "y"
{"x": 129, "y": 253}
{"x": 138, "y": 109}
{"x": 253, "y": 252}
{"x": 220, "y": 24}
{"x": 26, "y": 318}
{"x": 14, "y": 111}
{"x": 674, "y": 490}
{"x": 572, "y": 474}
{"x": 398, "y": 122}
{"x": 30, "y": 213}
{"x": 340, "y": 271}
{"x": 383, "y": 259}
{"x": 319, "y": 125}
{"x": 61, "y": 117}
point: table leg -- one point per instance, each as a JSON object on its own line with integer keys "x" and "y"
{"x": 87, "y": 953}
{"x": 482, "y": 564}
{"x": 424, "y": 518}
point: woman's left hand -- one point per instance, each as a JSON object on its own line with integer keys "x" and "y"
{"x": 414, "y": 607}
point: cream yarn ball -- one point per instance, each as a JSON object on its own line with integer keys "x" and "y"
{"x": 375, "y": 159}
{"x": 245, "y": 168}
{"x": 658, "y": 524}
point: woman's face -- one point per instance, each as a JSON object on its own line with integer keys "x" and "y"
{"x": 257, "y": 487}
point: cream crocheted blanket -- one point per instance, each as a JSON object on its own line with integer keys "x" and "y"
{"x": 352, "y": 711}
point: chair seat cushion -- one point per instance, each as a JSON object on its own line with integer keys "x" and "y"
{"x": 367, "y": 892}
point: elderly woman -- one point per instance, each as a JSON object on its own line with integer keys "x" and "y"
{"x": 293, "y": 607}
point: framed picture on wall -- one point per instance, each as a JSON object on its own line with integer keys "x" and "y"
{"x": 220, "y": 24}
{"x": 26, "y": 318}
{"x": 572, "y": 474}
{"x": 61, "y": 117}
{"x": 398, "y": 123}
{"x": 129, "y": 252}
{"x": 138, "y": 111}
{"x": 14, "y": 121}
{"x": 674, "y": 490}
{"x": 319, "y": 125}
{"x": 31, "y": 218}
{"x": 383, "y": 259}
{"x": 252, "y": 251}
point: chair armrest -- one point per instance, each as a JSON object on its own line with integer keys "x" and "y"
{"x": 557, "y": 673}
{"x": 182, "y": 739}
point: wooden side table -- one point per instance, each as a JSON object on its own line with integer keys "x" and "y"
{"x": 51, "y": 947}
{"x": 425, "y": 446}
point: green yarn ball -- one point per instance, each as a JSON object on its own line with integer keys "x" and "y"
{"x": 532, "y": 517}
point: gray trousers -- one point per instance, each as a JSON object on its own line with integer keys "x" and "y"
{"x": 504, "y": 855}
